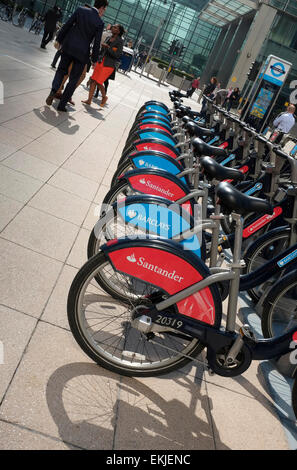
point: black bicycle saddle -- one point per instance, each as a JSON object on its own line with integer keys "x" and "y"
{"x": 214, "y": 170}
{"x": 195, "y": 130}
{"x": 233, "y": 200}
{"x": 201, "y": 148}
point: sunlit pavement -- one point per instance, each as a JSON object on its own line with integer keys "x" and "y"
{"x": 55, "y": 170}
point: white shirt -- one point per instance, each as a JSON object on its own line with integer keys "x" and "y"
{"x": 284, "y": 122}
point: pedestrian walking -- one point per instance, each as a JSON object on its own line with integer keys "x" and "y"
{"x": 220, "y": 96}
{"x": 83, "y": 27}
{"x": 283, "y": 124}
{"x": 56, "y": 58}
{"x": 110, "y": 53}
{"x": 208, "y": 91}
{"x": 233, "y": 100}
{"x": 50, "y": 23}
{"x": 194, "y": 86}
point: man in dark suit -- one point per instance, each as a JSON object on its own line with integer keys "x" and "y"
{"x": 76, "y": 36}
{"x": 50, "y": 23}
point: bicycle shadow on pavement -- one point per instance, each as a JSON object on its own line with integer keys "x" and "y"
{"x": 97, "y": 409}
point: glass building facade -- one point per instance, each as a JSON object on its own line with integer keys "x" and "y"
{"x": 282, "y": 42}
{"x": 141, "y": 19}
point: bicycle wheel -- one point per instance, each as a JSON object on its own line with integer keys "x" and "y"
{"x": 121, "y": 170}
{"x": 294, "y": 397}
{"x": 280, "y": 307}
{"x": 109, "y": 227}
{"x": 260, "y": 252}
{"x": 102, "y": 327}
{"x": 119, "y": 191}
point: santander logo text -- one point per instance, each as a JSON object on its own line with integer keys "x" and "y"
{"x": 261, "y": 222}
{"x": 153, "y": 267}
{"x": 156, "y": 187}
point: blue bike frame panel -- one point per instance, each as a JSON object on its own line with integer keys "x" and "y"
{"x": 165, "y": 221}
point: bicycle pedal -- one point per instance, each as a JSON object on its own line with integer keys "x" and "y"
{"x": 246, "y": 331}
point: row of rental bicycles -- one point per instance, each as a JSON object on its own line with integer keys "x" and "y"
{"x": 199, "y": 211}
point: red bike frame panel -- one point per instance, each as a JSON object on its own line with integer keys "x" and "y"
{"x": 155, "y": 146}
{"x": 255, "y": 226}
{"x": 168, "y": 272}
{"x": 154, "y": 126}
{"x": 156, "y": 186}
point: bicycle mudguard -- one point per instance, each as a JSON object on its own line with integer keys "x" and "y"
{"x": 159, "y": 183}
{"x": 152, "y": 125}
{"x": 155, "y": 106}
{"x": 166, "y": 266}
{"x": 150, "y": 144}
{"x": 158, "y": 161}
{"x": 155, "y": 115}
{"x": 158, "y": 216}
{"x": 154, "y": 119}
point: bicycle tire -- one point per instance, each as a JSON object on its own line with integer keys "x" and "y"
{"x": 262, "y": 250}
{"x": 121, "y": 189}
{"x": 101, "y": 348}
{"x": 276, "y": 317}
{"x": 122, "y": 169}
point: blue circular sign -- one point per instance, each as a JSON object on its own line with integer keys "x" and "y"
{"x": 277, "y": 69}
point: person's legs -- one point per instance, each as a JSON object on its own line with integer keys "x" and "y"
{"x": 190, "y": 92}
{"x": 76, "y": 71}
{"x": 82, "y": 77}
{"x": 50, "y": 36}
{"x": 59, "y": 92}
{"x": 92, "y": 88}
{"x": 103, "y": 94}
{"x": 56, "y": 58}
{"x": 59, "y": 76}
{"x": 106, "y": 84}
{"x": 44, "y": 37}
{"x": 96, "y": 92}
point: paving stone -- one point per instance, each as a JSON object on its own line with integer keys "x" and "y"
{"x": 42, "y": 232}
{"x": 56, "y": 309}
{"x": 14, "y": 437}
{"x": 15, "y": 332}
{"x": 78, "y": 254}
{"x": 75, "y": 184}
{"x": 58, "y": 391}
{"x": 169, "y": 413}
{"x": 31, "y": 166}
{"x": 27, "y": 278}
{"x": 61, "y": 204}
{"x": 8, "y": 209}
{"x": 16, "y": 185}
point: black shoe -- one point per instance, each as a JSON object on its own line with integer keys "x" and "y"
{"x": 62, "y": 109}
{"x": 42, "y": 46}
{"x": 53, "y": 66}
{"x": 49, "y": 100}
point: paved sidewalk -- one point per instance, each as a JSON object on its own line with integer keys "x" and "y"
{"x": 54, "y": 171}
